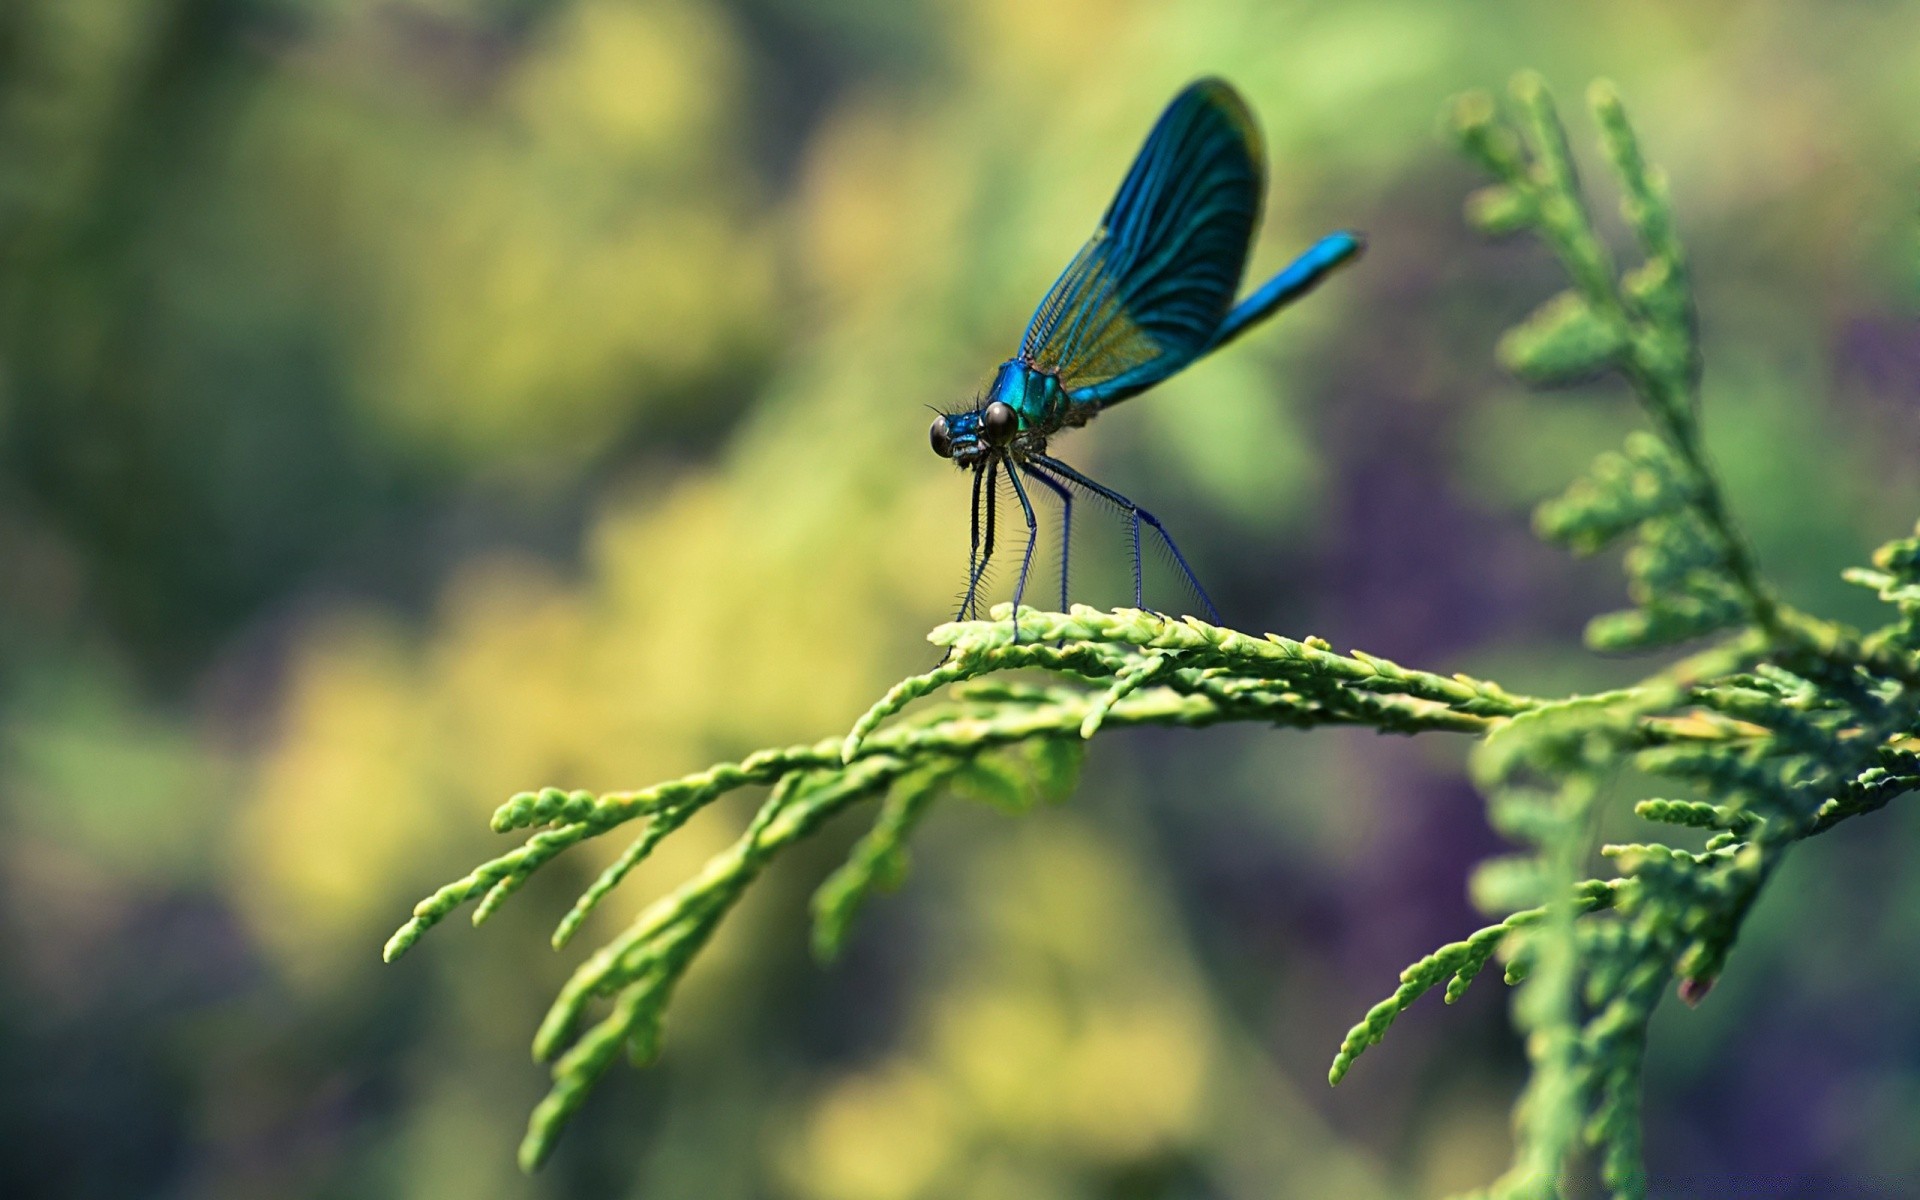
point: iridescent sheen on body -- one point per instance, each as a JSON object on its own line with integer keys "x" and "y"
{"x": 1149, "y": 293}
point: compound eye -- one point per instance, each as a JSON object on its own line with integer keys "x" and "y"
{"x": 941, "y": 439}
{"x": 1000, "y": 422}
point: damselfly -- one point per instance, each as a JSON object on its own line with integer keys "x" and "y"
{"x": 1150, "y": 292}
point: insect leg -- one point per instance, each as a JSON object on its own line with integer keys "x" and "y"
{"x": 984, "y": 490}
{"x": 1026, "y": 560}
{"x": 1066, "y": 521}
{"x": 973, "y": 545}
{"x": 1137, "y": 515}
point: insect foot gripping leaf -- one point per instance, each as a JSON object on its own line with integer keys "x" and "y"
{"x": 1776, "y": 728}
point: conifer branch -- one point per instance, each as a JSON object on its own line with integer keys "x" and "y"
{"x": 1783, "y": 726}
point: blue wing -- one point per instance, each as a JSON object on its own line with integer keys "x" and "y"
{"x": 1147, "y": 294}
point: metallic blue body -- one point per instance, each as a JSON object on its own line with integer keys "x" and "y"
{"x": 1039, "y": 403}
{"x": 1152, "y": 291}
{"x": 1035, "y": 396}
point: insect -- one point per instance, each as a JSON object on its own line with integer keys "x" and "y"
{"x": 1152, "y": 291}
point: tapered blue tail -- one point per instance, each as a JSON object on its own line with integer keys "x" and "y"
{"x": 1320, "y": 260}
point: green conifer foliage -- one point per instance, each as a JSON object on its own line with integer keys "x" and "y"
{"x": 1779, "y": 726}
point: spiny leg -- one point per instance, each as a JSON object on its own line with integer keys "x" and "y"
{"x": 973, "y": 544}
{"x": 1139, "y": 583}
{"x": 983, "y": 489}
{"x": 1132, "y": 514}
{"x": 1066, "y": 521}
{"x": 1026, "y": 560}
{"x": 1137, "y": 515}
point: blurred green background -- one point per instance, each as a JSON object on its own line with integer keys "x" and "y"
{"x": 407, "y": 402}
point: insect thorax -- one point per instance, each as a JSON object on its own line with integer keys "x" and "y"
{"x": 1035, "y": 396}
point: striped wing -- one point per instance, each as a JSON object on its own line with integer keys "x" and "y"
{"x": 1146, "y": 294}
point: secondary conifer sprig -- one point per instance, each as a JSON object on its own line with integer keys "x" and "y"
{"x": 1813, "y": 719}
{"x": 1783, "y": 726}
